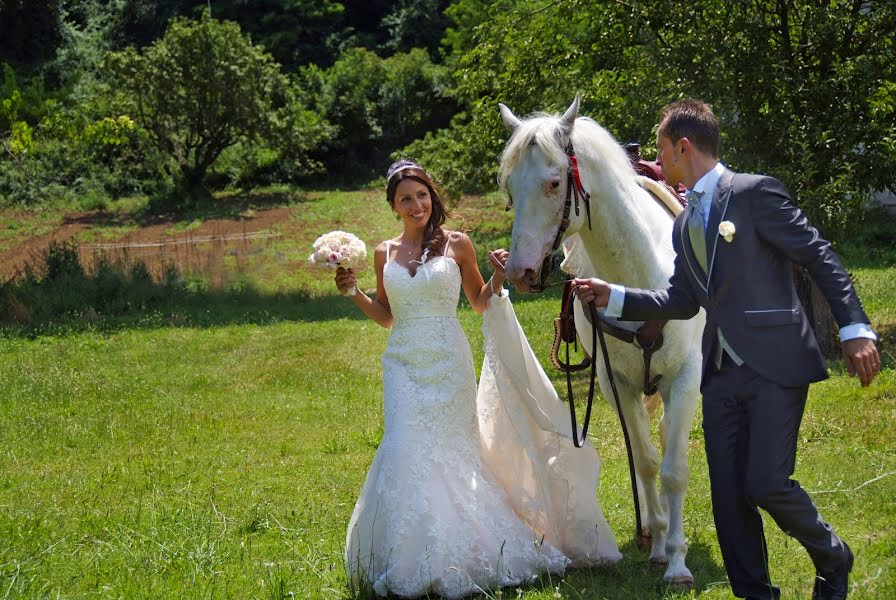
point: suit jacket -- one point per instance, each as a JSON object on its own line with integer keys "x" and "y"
{"x": 749, "y": 290}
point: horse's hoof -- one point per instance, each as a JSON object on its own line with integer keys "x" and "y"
{"x": 681, "y": 583}
{"x": 658, "y": 561}
{"x": 644, "y": 542}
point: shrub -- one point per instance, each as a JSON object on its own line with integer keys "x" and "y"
{"x": 60, "y": 289}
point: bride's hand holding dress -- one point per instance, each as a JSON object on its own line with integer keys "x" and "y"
{"x": 439, "y": 512}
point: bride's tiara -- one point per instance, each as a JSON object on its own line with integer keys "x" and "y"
{"x": 401, "y": 165}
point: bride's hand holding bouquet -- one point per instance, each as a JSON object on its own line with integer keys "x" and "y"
{"x": 344, "y": 252}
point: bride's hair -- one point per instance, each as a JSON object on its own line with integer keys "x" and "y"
{"x": 434, "y": 237}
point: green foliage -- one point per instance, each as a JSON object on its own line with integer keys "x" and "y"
{"x": 73, "y": 145}
{"x": 73, "y": 158}
{"x": 292, "y": 31}
{"x": 537, "y": 61}
{"x": 203, "y": 88}
{"x": 19, "y": 110}
{"x": 29, "y": 31}
{"x": 377, "y": 105}
{"x": 804, "y": 91}
{"x": 415, "y": 24}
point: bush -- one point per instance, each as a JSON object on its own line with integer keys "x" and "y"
{"x": 377, "y": 106}
{"x": 60, "y": 289}
{"x": 204, "y": 87}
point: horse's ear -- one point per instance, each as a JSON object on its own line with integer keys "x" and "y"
{"x": 510, "y": 119}
{"x": 569, "y": 117}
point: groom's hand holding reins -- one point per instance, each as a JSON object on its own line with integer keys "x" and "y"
{"x": 592, "y": 290}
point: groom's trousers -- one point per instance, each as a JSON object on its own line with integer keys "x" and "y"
{"x": 751, "y": 426}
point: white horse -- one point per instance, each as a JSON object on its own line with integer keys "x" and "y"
{"x": 629, "y": 242}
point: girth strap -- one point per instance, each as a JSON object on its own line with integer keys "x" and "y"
{"x": 649, "y": 338}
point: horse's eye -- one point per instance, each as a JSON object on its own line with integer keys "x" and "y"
{"x": 555, "y": 184}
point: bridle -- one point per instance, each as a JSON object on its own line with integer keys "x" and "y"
{"x": 575, "y": 191}
{"x": 575, "y": 194}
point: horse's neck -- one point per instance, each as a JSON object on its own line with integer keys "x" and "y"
{"x": 623, "y": 242}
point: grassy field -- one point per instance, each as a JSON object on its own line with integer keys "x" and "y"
{"x": 214, "y": 449}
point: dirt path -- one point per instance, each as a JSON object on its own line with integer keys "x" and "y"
{"x": 153, "y": 241}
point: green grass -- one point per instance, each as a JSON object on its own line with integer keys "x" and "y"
{"x": 215, "y": 449}
{"x": 14, "y": 227}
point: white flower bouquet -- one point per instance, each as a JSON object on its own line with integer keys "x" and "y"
{"x": 339, "y": 249}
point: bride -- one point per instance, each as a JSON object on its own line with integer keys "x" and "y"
{"x": 469, "y": 490}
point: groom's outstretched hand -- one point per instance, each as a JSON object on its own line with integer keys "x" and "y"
{"x": 861, "y": 358}
{"x": 592, "y": 290}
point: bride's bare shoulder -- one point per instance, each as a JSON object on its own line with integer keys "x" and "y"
{"x": 381, "y": 249}
{"x": 457, "y": 237}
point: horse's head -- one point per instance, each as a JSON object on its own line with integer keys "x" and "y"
{"x": 534, "y": 173}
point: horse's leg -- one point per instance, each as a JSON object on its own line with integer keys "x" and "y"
{"x": 646, "y": 459}
{"x": 680, "y": 402}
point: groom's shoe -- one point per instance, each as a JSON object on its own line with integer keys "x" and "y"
{"x": 833, "y": 584}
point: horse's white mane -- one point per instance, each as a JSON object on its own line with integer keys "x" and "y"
{"x": 542, "y": 130}
{"x": 626, "y": 210}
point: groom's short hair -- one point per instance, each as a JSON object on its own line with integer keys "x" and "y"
{"x": 692, "y": 119}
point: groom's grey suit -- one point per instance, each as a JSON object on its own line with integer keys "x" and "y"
{"x": 752, "y": 411}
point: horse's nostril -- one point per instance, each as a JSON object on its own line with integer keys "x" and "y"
{"x": 555, "y": 184}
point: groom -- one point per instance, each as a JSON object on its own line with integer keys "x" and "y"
{"x": 734, "y": 247}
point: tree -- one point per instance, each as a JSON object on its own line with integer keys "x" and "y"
{"x": 29, "y": 31}
{"x": 805, "y": 91}
{"x": 415, "y": 24}
{"x": 377, "y": 105}
{"x": 295, "y": 32}
{"x": 202, "y": 88}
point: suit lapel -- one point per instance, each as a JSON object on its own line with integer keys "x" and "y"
{"x": 716, "y": 216}
{"x": 690, "y": 257}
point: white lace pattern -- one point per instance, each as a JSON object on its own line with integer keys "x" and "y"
{"x": 432, "y": 517}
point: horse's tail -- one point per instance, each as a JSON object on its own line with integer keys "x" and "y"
{"x": 652, "y": 404}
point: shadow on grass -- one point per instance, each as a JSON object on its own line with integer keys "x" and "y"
{"x": 635, "y": 577}
{"x": 632, "y": 577}
{"x": 886, "y": 345}
{"x": 195, "y": 309}
{"x": 208, "y": 309}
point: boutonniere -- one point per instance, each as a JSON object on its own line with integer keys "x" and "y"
{"x": 727, "y": 230}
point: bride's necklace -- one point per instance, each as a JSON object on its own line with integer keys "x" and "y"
{"x": 423, "y": 257}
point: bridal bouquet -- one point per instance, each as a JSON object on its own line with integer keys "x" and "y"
{"x": 339, "y": 249}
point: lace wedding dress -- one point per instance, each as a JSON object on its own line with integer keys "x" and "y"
{"x": 469, "y": 490}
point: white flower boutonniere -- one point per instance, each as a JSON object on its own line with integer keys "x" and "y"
{"x": 727, "y": 230}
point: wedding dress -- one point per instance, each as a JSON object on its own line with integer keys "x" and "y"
{"x": 469, "y": 490}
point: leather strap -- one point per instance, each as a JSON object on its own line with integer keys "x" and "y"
{"x": 597, "y": 333}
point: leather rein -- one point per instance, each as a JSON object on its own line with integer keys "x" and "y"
{"x": 648, "y": 338}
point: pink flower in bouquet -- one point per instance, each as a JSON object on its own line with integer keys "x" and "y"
{"x": 339, "y": 249}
